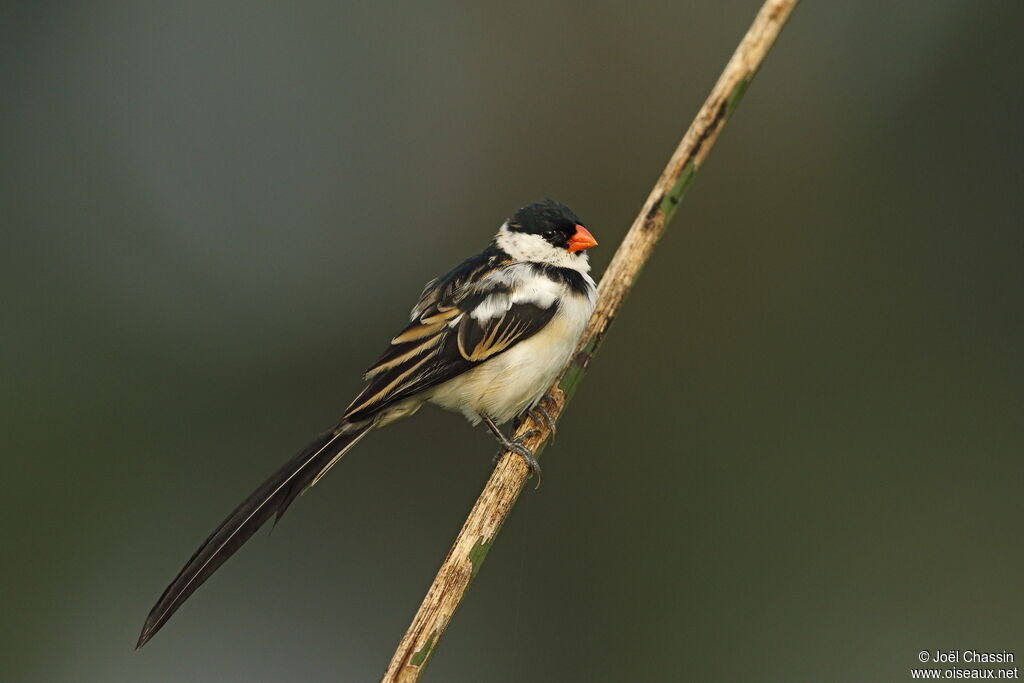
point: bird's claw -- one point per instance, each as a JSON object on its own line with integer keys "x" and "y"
{"x": 540, "y": 415}
{"x": 515, "y": 445}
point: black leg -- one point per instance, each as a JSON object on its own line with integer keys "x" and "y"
{"x": 516, "y": 445}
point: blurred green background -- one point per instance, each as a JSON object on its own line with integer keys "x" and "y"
{"x": 796, "y": 458}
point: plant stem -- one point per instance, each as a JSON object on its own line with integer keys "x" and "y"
{"x": 506, "y": 482}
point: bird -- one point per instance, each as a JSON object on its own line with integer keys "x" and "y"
{"x": 486, "y": 340}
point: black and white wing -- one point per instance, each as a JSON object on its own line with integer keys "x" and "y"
{"x": 477, "y": 311}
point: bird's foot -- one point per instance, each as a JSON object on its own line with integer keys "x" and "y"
{"x": 515, "y": 445}
{"x": 540, "y": 416}
{"x": 550, "y": 398}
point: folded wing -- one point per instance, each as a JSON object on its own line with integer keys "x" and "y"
{"x": 461, "y": 321}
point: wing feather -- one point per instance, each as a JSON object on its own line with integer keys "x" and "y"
{"x": 461, "y": 320}
{"x": 478, "y": 340}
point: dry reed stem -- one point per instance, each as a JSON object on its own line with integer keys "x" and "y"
{"x": 506, "y": 482}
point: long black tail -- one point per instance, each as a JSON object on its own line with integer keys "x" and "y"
{"x": 272, "y": 498}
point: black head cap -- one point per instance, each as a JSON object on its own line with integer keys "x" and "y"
{"x": 554, "y": 220}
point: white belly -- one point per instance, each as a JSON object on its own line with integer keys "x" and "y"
{"x": 509, "y": 383}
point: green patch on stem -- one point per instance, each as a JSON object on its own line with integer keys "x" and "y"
{"x": 421, "y": 655}
{"x": 576, "y": 370}
{"x": 736, "y": 96}
{"x": 477, "y": 554}
{"x": 678, "y": 191}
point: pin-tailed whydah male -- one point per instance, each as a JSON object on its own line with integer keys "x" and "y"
{"x": 486, "y": 339}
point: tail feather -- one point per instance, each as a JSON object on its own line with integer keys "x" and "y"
{"x": 271, "y": 499}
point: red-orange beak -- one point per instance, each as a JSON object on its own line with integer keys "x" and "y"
{"x": 581, "y": 240}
